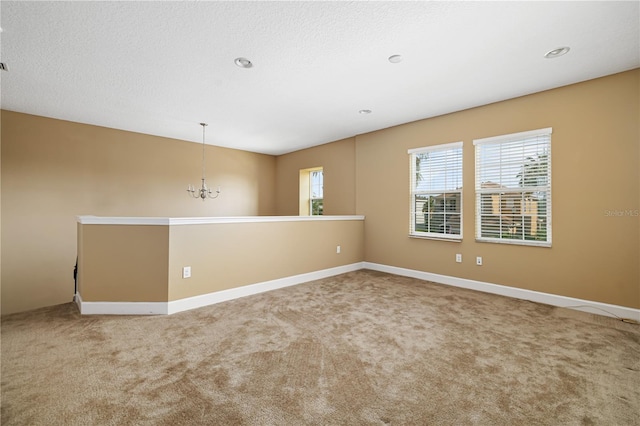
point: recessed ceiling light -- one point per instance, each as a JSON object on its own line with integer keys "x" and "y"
{"x": 243, "y": 63}
{"x": 394, "y": 59}
{"x": 364, "y": 111}
{"x": 555, "y": 53}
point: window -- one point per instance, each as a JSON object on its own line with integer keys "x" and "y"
{"x": 513, "y": 188}
{"x": 311, "y": 192}
{"x": 316, "y": 192}
{"x": 436, "y": 192}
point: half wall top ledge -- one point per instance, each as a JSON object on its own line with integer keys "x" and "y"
{"x": 112, "y": 220}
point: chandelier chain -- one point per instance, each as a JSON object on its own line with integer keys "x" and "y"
{"x": 204, "y": 125}
{"x": 204, "y": 192}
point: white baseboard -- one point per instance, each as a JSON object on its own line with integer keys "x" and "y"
{"x": 164, "y": 308}
{"x": 599, "y": 308}
{"x": 121, "y": 308}
{"x": 247, "y": 290}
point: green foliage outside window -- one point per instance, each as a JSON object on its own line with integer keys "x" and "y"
{"x": 317, "y": 207}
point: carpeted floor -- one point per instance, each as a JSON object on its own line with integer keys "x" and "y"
{"x": 363, "y": 348}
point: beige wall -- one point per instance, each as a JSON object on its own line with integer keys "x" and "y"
{"x": 247, "y": 253}
{"x": 336, "y": 159}
{"x": 595, "y": 163}
{"x": 54, "y": 170}
{"x": 123, "y": 263}
{"x": 91, "y": 170}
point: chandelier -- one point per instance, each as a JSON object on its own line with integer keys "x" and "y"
{"x": 204, "y": 192}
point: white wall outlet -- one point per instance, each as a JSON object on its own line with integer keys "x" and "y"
{"x": 479, "y": 261}
{"x": 186, "y": 272}
{"x": 459, "y": 258}
{"x": 338, "y": 249}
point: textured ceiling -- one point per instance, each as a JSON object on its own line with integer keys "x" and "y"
{"x": 162, "y": 67}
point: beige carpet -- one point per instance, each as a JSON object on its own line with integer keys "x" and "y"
{"x": 363, "y": 348}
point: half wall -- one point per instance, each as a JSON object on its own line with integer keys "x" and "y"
{"x": 135, "y": 265}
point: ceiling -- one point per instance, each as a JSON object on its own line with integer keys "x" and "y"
{"x": 161, "y": 68}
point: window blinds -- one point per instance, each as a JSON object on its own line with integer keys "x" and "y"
{"x": 436, "y": 191}
{"x": 513, "y": 188}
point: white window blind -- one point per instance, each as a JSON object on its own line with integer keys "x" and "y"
{"x": 436, "y": 192}
{"x": 513, "y": 188}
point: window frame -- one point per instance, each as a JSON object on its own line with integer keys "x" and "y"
{"x": 433, "y": 193}
{"x": 305, "y": 201}
{"x": 512, "y": 198}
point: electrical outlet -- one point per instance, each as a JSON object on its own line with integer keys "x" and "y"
{"x": 459, "y": 258}
{"x": 186, "y": 272}
{"x": 338, "y": 249}
{"x": 479, "y": 261}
